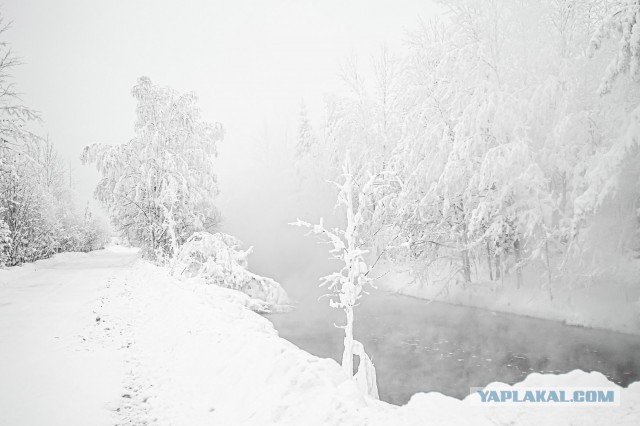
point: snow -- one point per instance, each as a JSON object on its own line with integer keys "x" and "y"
{"x": 53, "y": 369}
{"x": 588, "y": 305}
{"x": 104, "y": 338}
{"x": 218, "y": 259}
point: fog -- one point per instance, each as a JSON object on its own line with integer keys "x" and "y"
{"x": 250, "y": 63}
{"x": 261, "y": 193}
{"x": 491, "y": 160}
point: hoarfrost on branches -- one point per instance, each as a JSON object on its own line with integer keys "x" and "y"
{"x": 347, "y": 285}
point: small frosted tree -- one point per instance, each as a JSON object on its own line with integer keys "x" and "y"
{"x": 346, "y": 286}
{"x": 15, "y": 117}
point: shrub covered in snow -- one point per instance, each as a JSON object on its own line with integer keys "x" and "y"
{"x": 39, "y": 216}
{"x": 219, "y": 259}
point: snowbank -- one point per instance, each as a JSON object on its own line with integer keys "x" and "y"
{"x": 604, "y": 304}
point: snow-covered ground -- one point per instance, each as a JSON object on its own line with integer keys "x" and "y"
{"x": 105, "y": 338}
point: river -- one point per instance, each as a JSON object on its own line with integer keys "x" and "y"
{"x": 417, "y": 346}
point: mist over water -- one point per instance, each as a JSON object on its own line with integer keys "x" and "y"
{"x": 422, "y": 347}
{"x": 261, "y": 193}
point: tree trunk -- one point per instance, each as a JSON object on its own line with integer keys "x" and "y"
{"x": 518, "y": 256}
{"x": 466, "y": 267}
{"x": 347, "y": 355}
{"x": 546, "y": 249}
{"x": 466, "y": 264}
{"x": 489, "y": 262}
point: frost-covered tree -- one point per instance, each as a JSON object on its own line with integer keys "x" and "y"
{"x": 347, "y": 285}
{"x": 159, "y": 187}
{"x": 15, "y": 137}
{"x": 14, "y": 115}
{"x": 366, "y": 119}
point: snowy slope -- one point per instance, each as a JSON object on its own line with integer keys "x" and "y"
{"x": 105, "y": 338}
{"x": 590, "y": 306}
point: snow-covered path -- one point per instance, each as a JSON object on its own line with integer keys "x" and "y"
{"x": 57, "y": 365}
{"x": 106, "y": 339}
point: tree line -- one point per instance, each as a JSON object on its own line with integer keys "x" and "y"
{"x": 39, "y": 215}
{"x": 506, "y": 138}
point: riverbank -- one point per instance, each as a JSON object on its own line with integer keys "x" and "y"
{"x": 605, "y": 303}
{"x": 421, "y": 346}
{"x": 105, "y": 338}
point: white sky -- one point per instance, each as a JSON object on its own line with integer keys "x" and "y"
{"x": 250, "y": 62}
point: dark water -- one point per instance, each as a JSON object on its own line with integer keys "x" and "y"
{"x": 420, "y": 346}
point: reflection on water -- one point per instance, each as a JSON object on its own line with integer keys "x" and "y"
{"x": 419, "y": 346}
